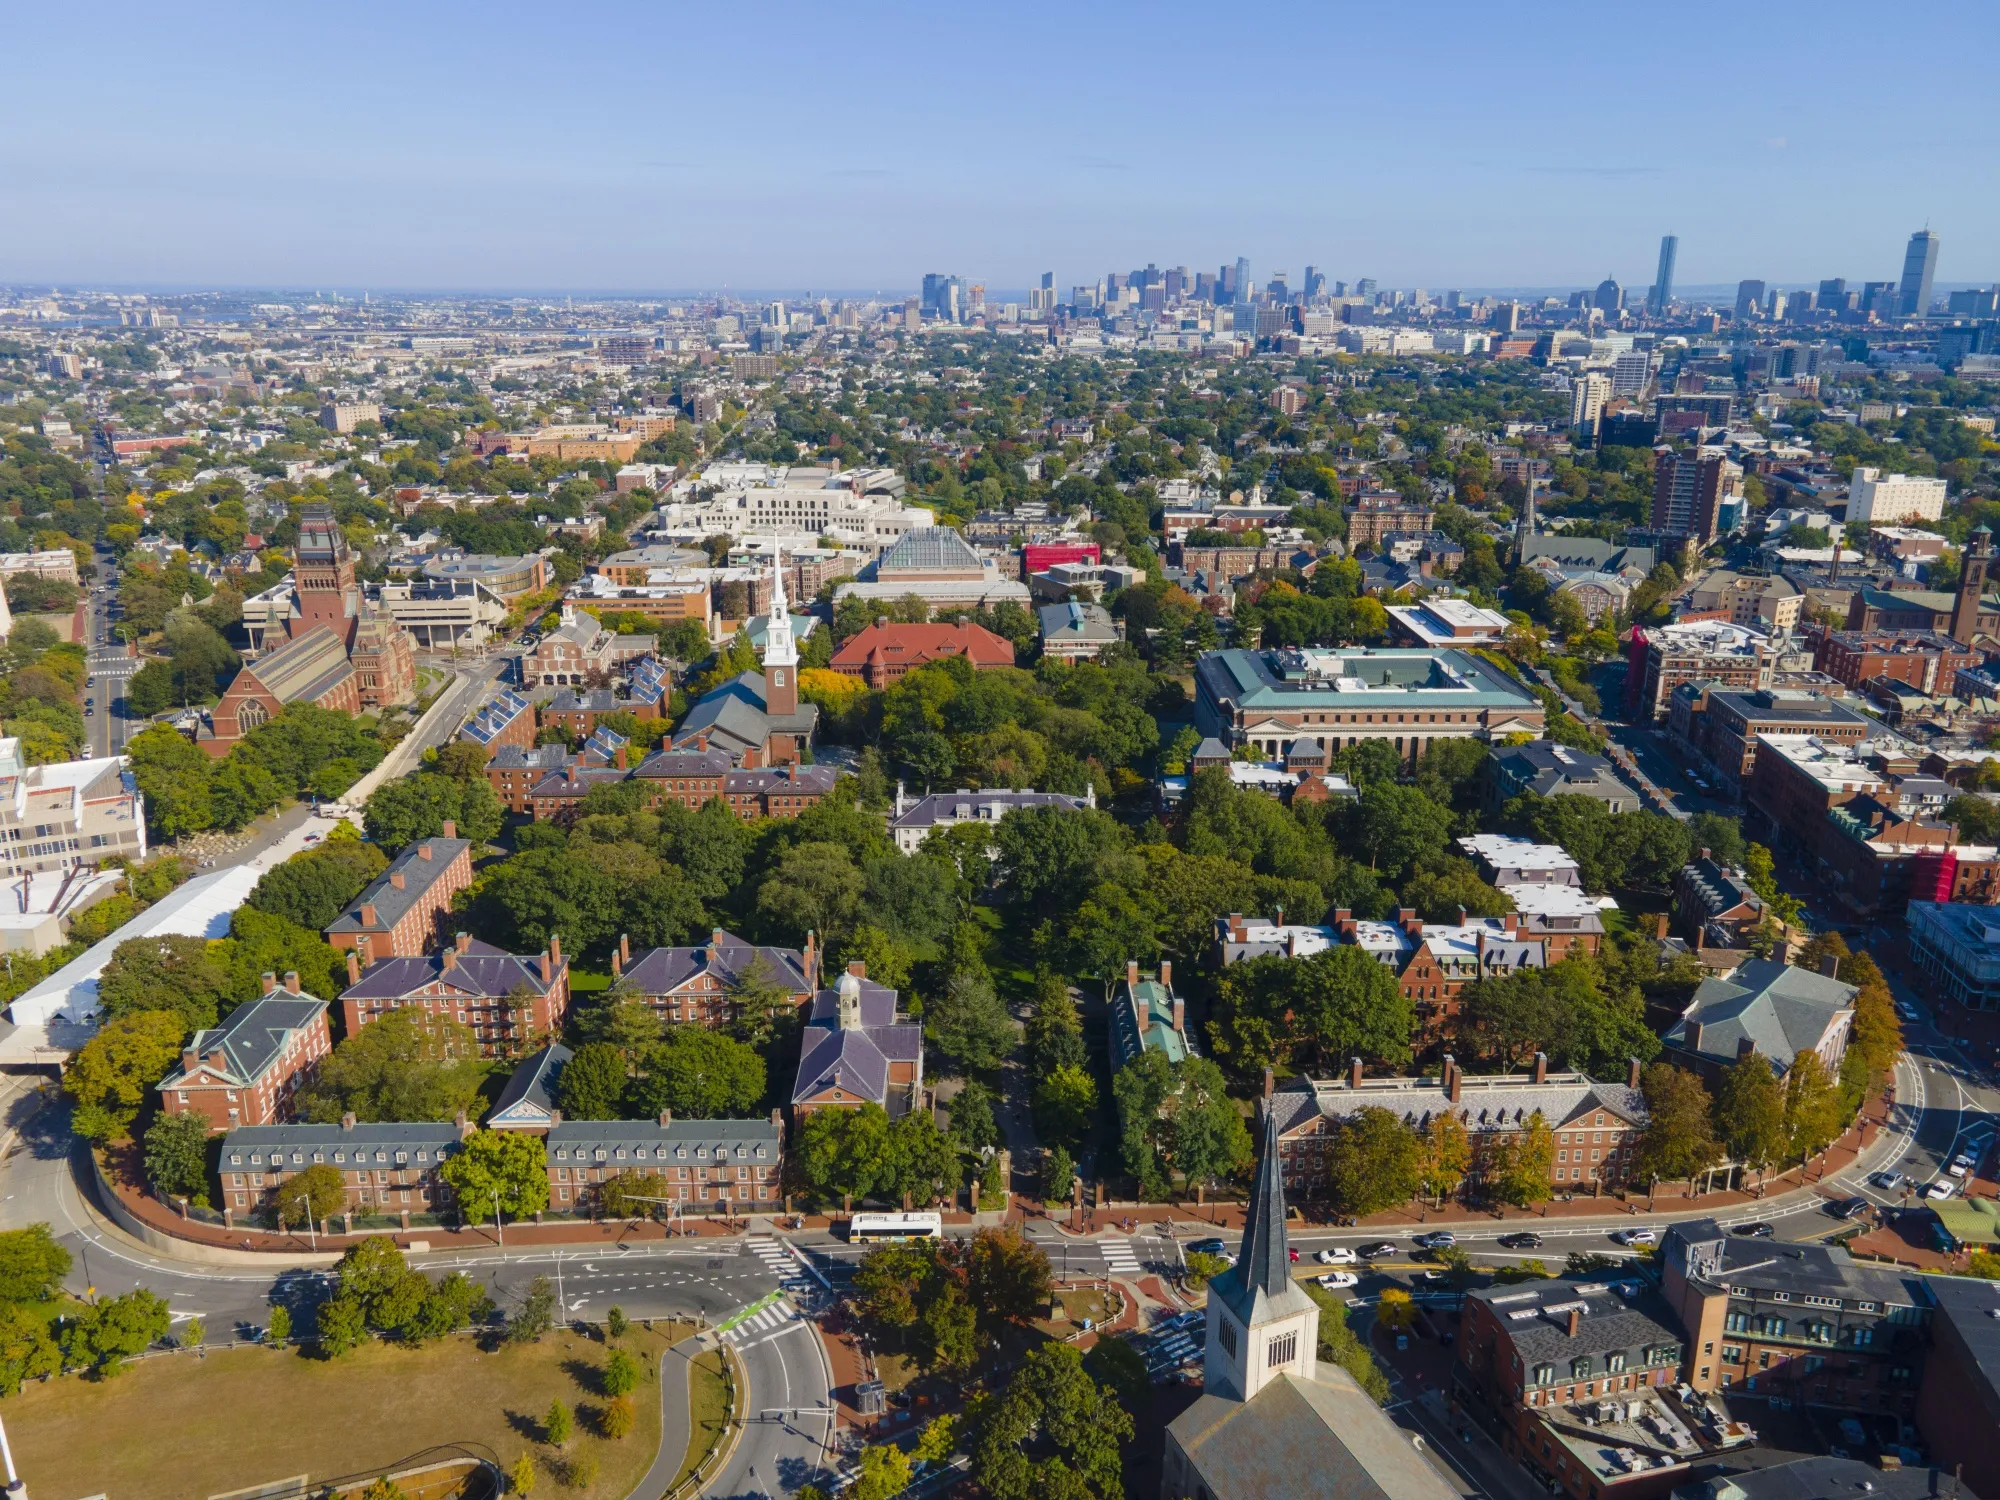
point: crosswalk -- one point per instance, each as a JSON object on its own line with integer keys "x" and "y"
{"x": 759, "y": 1325}
{"x": 1118, "y": 1256}
{"x": 777, "y": 1258}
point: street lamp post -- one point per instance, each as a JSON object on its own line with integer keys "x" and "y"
{"x": 499, "y": 1229}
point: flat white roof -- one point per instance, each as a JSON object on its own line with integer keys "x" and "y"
{"x": 1544, "y": 899}
{"x": 200, "y": 908}
{"x": 1505, "y": 850}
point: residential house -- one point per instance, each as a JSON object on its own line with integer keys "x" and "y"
{"x": 386, "y": 1171}
{"x": 857, "y": 1050}
{"x": 402, "y": 911}
{"x": 701, "y": 1166}
{"x": 508, "y": 1000}
{"x": 1714, "y": 905}
{"x": 699, "y": 985}
{"x": 914, "y": 820}
{"x": 1147, "y": 1016}
{"x": 1547, "y": 769}
{"x": 246, "y": 1070}
{"x": 1076, "y": 632}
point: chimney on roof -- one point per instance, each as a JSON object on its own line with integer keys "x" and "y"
{"x": 368, "y": 914}
{"x": 270, "y": 982}
{"x": 292, "y": 981}
{"x": 1660, "y": 925}
{"x": 1631, "y": 1072}
{"x": 1575, "y": 1320}
{"x": 1694, "y": 1031}
{"x": 715, "y": 937}
{"x": 449, "y": 960}
{"x": 882, "y": 621}
{"x": 1462, "y": 914}
{"x": 1166, "y": 974}
{"x": 1781, "y": 951}
{"x": 1180, "y": 1014}
{"x": 424, "y": 850}
{"x": 462, "y": 941}
{"x": 666, "y": 1117}
{"x": 625, "y": 946}
{"x": 1270, "y": 1082}
{"x": 1409, "y": 921}
{"x": 449, "y": 828}
{"x": 464, "y": 1125}
{"x": 396, "y": 876}
{"x": 617, "y": 965}
{"x": 1541, "y": 1067}
{"x": 1354, "y": 1072}
{"x": 1744, "y": 1047}
{"x": 1704, "y": 854}
{"x": 548, "y": 967}
{"x": 858, "y": 968}
{"x": 1454, "y": 1081}
{"x": 555, "y": 1117}
{"x": 353, "y": 967}
{"x": 347, "y": 1120}
{"x": 555, "y": 946}
{"x": 1132, "y": 973}
{"x": 1829, "y": 965}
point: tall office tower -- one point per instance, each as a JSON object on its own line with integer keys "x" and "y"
{"x": 1507, "y": 318}
{"x": 1315, "y": 281}
{"x": 1174, "y": 283}
{"x": 1365, "y": 287}
{"x": 1278, "y": 291}
{"x": 1245, "y": 288}
{"x": 934, "y": 292}
{"x": 1663, "y": 278}
{"x": 1833, "y": 291}
{"x": 1919, "y": 266}
{"x": 1687, "y": 493}
{"x": 1204, "y": 287}
{"x": 1748, "y": 295}
{"x": 1451, "y": 301}
{"x": 1774, "y": 304}
{"x": 1879, "y": 297}
{"x": 1113, "y": 285}
{"x": 1225, "y": 284}
{"x": 1340, "y": 289}
{"x": 1802, "y": 305}
{"x": 1587, "y": 395}
{"x": 1609, "y": 298}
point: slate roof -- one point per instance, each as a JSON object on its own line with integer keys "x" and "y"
{"x": 1259, "y": 1287}
{"x": 530, "y": 1090}
{"x": 482, "y": 971}
{"x": 575, "y": 780}
{"x": 252, "y": 1038}
{"x": 303, "y": 669}
{"x": 529, "y": 757}
{"x": 1319, "y": 1439}
{"x": 857, "y": 1060}
{"x": 1822, "y": 1477}
{"x": 660, "y": 971}
{"x": 319, "y": 1142}
{"x": 735, "y": 719}
{"x": 1548, "y": 770}
{"x": 421, "y": 866}
{"x": 1618, "y": 1313}
{"x": 1499, "y": 1103}
{"x": 1783, "y": 1010}
{"x": 1718, "y": 888}
{"x": 1801, "y": 1269}
{"x": 810, "y": 781}
{"x": 688, "y": 762}
{"x": 1076, "y": 622}
{"x": 678, "y": 1140}
{"x": 593, "y": 700}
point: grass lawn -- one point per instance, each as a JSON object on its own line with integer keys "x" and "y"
{"x": 179, "y": 1426}
{"x": 708, "y": 1388}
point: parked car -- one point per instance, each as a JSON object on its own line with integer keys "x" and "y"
{"x": 1527, "y": 1239}
{"x": 1336, "y": 1281}
{"x": 1340, "y": 1255}
{"x": 1380, "y": 1247}
{"x": 1293, "y": 1253}
{"x": 1437, "y": 1239}
{"x": 1943, "y": 1187}
{"x": 1635, "y": 1237}
{"x": 1211, "y": 1247}
{"x": 1960, "y": 1165}
{"x": 1757, "y": 1231}
{"x": 1434, "y": 1278}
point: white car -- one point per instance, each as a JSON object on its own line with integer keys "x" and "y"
{"x": 1636, "y": 1237}
{"x": 1337, "y": 1281}
{"x": 1340, "y": 1256}
{"x": 1959, "y": 1165}
{"x": 1944, "y": 1187}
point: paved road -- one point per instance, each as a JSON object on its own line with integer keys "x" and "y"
{"x": 111, "y": 669}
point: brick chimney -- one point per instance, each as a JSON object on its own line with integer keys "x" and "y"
{"x": 617, "y": 966}
{"x": 450, "y": 959}
{"x": 353, "y": 967}
{"x": 555, "y": 946}
{"x": 270, "y": 983}
{"x": 1131, "y": 973}
{"x": 715, "y": 937}
{"x": 292, "y": 981}
{"x": 449, "y": 828}
{"x": 1180, "y": 1014}
{"x": 1541, "y": 1067}
{"x": 1354, "y": 1072}
{"x": 1829, "y": 965}
{"x": 1410, "y": 922}
{"x": 1575, "y": 1320}
{"x": 347, "y": 1120}
{"x": 1344, "y": 923}
{"x": 857, "y": 968}
{"x": 1660, "y": 925}
{"x": 1631, "y": 1072}
{"x": 462, "y": 941}
{"x": 625, "y": 946}
{"x": 368, "y": 914}
{"x": 618, "y": 758}
{"x": 555, "y": 1117}
{"x": 1781, "y": 951}
{"x": 1270, "y": 1082}
{"x": 548, "y": 967}
{"x": 1166, "y": 975}
{"x": 666, "y": 1117}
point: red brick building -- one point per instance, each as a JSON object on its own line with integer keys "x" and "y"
{"x": 516, "y": 770}
{"x": 246, "y": 1071}
{"x": 699, "y": 985}
{"x": 1924, "y": 659}
{"x": 884, "y": 652}
{"x": 402, "y": 912}
{"x": 511, "y": 1001}
{"x": 508, "y": 720}
{"x": 776, "y": 792}
{"x": 310, "y": 668}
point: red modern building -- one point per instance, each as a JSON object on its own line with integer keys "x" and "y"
{"x": 1039, "y": 557}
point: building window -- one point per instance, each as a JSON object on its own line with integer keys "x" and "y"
{"x": 1283, "y": 1350}
{"x": 1226, "y": 1334}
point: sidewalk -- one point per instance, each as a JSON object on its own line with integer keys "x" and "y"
{"x": 676, "y": 1421}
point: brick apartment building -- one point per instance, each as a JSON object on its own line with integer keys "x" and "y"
{"x": 386, "y": 1170}
{"x": 1812, "y": 1326}
{"x": 508, "y": 720}
{"x": 698, "y": 985}
{"x": 1927, "y": 660}
{"x": 1374, "y": 514}
{"x": 1723, "y": 726}
{"x": 247, "y": 1070}
{"x": 511, "y": 1001}
{"x": 579, "y": 652}
{"x": 702, "y": 1166}
{"x": 403, "y": 910}
{"x": 515, "y": 771}
{"x": 689, "y": 777}
{"x": 1596, "y": 1125}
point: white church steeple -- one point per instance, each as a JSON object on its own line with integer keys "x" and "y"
{"x": 781, "y": 652}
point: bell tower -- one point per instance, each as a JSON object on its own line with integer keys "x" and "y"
{"x": 1973, "y": 568}
{"x": 781, "y": 653}
{"x": 1260, "y": 1325}
{"x": 323, "y": 584}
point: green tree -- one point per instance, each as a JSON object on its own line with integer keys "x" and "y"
{"x": 313, "y": 888}
{"x": 1051, "y": 1431}
{"x": 558, "y": 1424}
{"x": 620, "y": 1374}
{"x": 815, "y": 887}
{"x": 1678, "y": 1142}
{"x": 174, "y": 777}
{"x": 844, "y": 1151}
{"x": 313, "y": 1195}
{"x": 177, "y": 1156}
{"x": 103, "y": 1335}
{"x": 416, "y": 807}
{"x": 27, "y": 1350}
{"x": 592, "y": 1083}
{"x": 536, "y": 1315}
{"x": 110, "y": 1075}
{"x": 884, "y": 1472}
{"x": 699, "y": 1074}
{"x": 1375, "y": 1163}
{"x": 1054, "y": 1030}
{"x": 972, "y": 1122}
{"x": 1397, "y": 827}
{"x": 1750, "y": 1112}
{"x": 32, "y": 1265}
{"x": 504, "y": 1167}
{"x": 1446, "y": 1156}
{"x": 166, "y": 973}
{"x": 279, "y": 1331}
{"x": 1526, "y": 1164}
{"x": 969, "y": 1024}
{"x": 403, "y": 1066}
{"x": 619, "y": 1018}
{"x": 1760, "y": 870}
{"x": 1812, "y": 1107}
{"x": 1209, "y": 1141}
{"x": 1065, "y": 1105}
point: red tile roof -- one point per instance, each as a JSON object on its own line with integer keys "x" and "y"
{"x": 912, "y": 645}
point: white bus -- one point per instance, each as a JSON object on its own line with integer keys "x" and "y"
{"x": 866, "y": 1229}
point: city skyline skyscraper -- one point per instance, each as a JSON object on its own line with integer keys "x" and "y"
{"x": 1919, "y": 267}
{"x": 1663, "y": 278}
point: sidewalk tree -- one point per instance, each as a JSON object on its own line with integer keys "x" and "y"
{"x": 919, "y": 1160}
{"x": 102, "y": 1336}
{"x": 1396, "y": 1311}
{"x": 972, "y": 1122}
{"x": 509, "y": 1167}
{"x": 1678, "y": 1143}
{"x": 1058, "y": 1175}
{"x": 315, "y": 1195}
{"x": 1052, "y": 1431}
{"x": 1760, "y": 870}
{"x": 177, "y": 1156}
{"x": 844, "y": 1152}
{"x": 1446, "y": 1156}
{"x": 1375, "y": 1162}
{"x": 884, "y": 1472}
{"x": 1527, "y": 1164}
{"x": 278, "y": 1332}
{"x": 1750, "y": 1113}
{"x": 1065, "y": 1105}
{"x": 536, "y": 1315}
{"x": 112, "y": 1073}
{"x": 1812, "y": 1107}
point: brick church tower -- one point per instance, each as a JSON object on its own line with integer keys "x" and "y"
{"x": 323, "y": 583}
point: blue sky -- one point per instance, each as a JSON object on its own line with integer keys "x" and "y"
{"x": 660, "y": 146}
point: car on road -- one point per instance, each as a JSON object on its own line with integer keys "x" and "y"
{"x": 1634, "y": 1237}
{"x": 1757, "y": 1231}
{"x": 1943, "y": 1187}
{"x": 1213, "y": 1247}
{"x": 1437, "y": 1239}
{"x": 314, "y": 838}
{"x": 1847, "y": 1208}
{"x": 1434, "y": 1278}
{"x": 1337, "y": 1281}
{"x": 1890, "y": 1182}
{"x": 1380, "y": 1247}
{"x": 1906, "y": 1010}
{"x": 1340, "y": 1255}
{"x": 1527, "y": 1239}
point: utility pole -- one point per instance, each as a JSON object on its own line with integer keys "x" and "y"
{"x": 16, "y": 1490}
